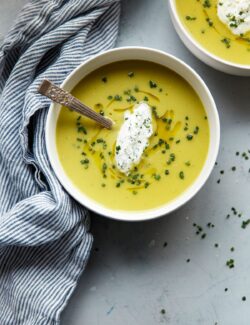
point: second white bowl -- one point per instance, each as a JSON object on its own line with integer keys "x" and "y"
{"x": 200, "y": 52}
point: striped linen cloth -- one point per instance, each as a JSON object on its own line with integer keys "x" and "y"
{"x": 44, "y": 234}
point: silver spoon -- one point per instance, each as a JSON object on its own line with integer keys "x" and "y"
{"x": 61, "y": 96}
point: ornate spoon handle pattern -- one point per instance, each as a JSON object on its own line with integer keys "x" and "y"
{"x": 60, "y": 96}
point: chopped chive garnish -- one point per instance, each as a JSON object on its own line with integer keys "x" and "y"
{"x": 82, "y": 129}
{"x": 118, "y": 98}
{"x": 196, "y": 130}
{"x": 209, "y": 21}
{"x": 152, "y": 84}
{"x": 230, "y": 263}
{"x": 157, "y": 177}
{"x": 189, "y": 137}
{"x": 245, "y": 223}
{"x": 227, "y": 42}
{"x": 181, "y": 175}
{"x": 190, "y": 18}
{"x": 206, "y": 4}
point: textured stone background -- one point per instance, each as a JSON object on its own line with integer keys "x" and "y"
{"x": 131, "y": 277}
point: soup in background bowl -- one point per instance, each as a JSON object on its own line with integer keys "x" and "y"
{"x": 210, "y": 29}
{"x": 181, "y": 148}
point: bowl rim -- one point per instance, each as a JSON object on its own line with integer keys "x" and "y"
{"x": 137, "y": 215}
{"x": 192, "y": 40}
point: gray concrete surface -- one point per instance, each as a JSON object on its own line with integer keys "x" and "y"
{"x": 131, "y": 277}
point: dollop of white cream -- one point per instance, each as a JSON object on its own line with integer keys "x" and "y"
{"x": 235, "y": 14}
{"x": 133, "y": 137}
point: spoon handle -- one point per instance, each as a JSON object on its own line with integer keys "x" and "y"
{"x": 61, "y": 96}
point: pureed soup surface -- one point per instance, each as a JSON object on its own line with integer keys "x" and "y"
{"x": 201, "y": 20}
{"x": 177, "y": 149}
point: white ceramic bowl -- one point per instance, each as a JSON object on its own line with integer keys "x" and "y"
{"x": 200, "y": 52}
{"x": 136, "y": 53}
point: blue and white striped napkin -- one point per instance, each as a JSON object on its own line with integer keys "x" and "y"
{"x": 44, "y": 238}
